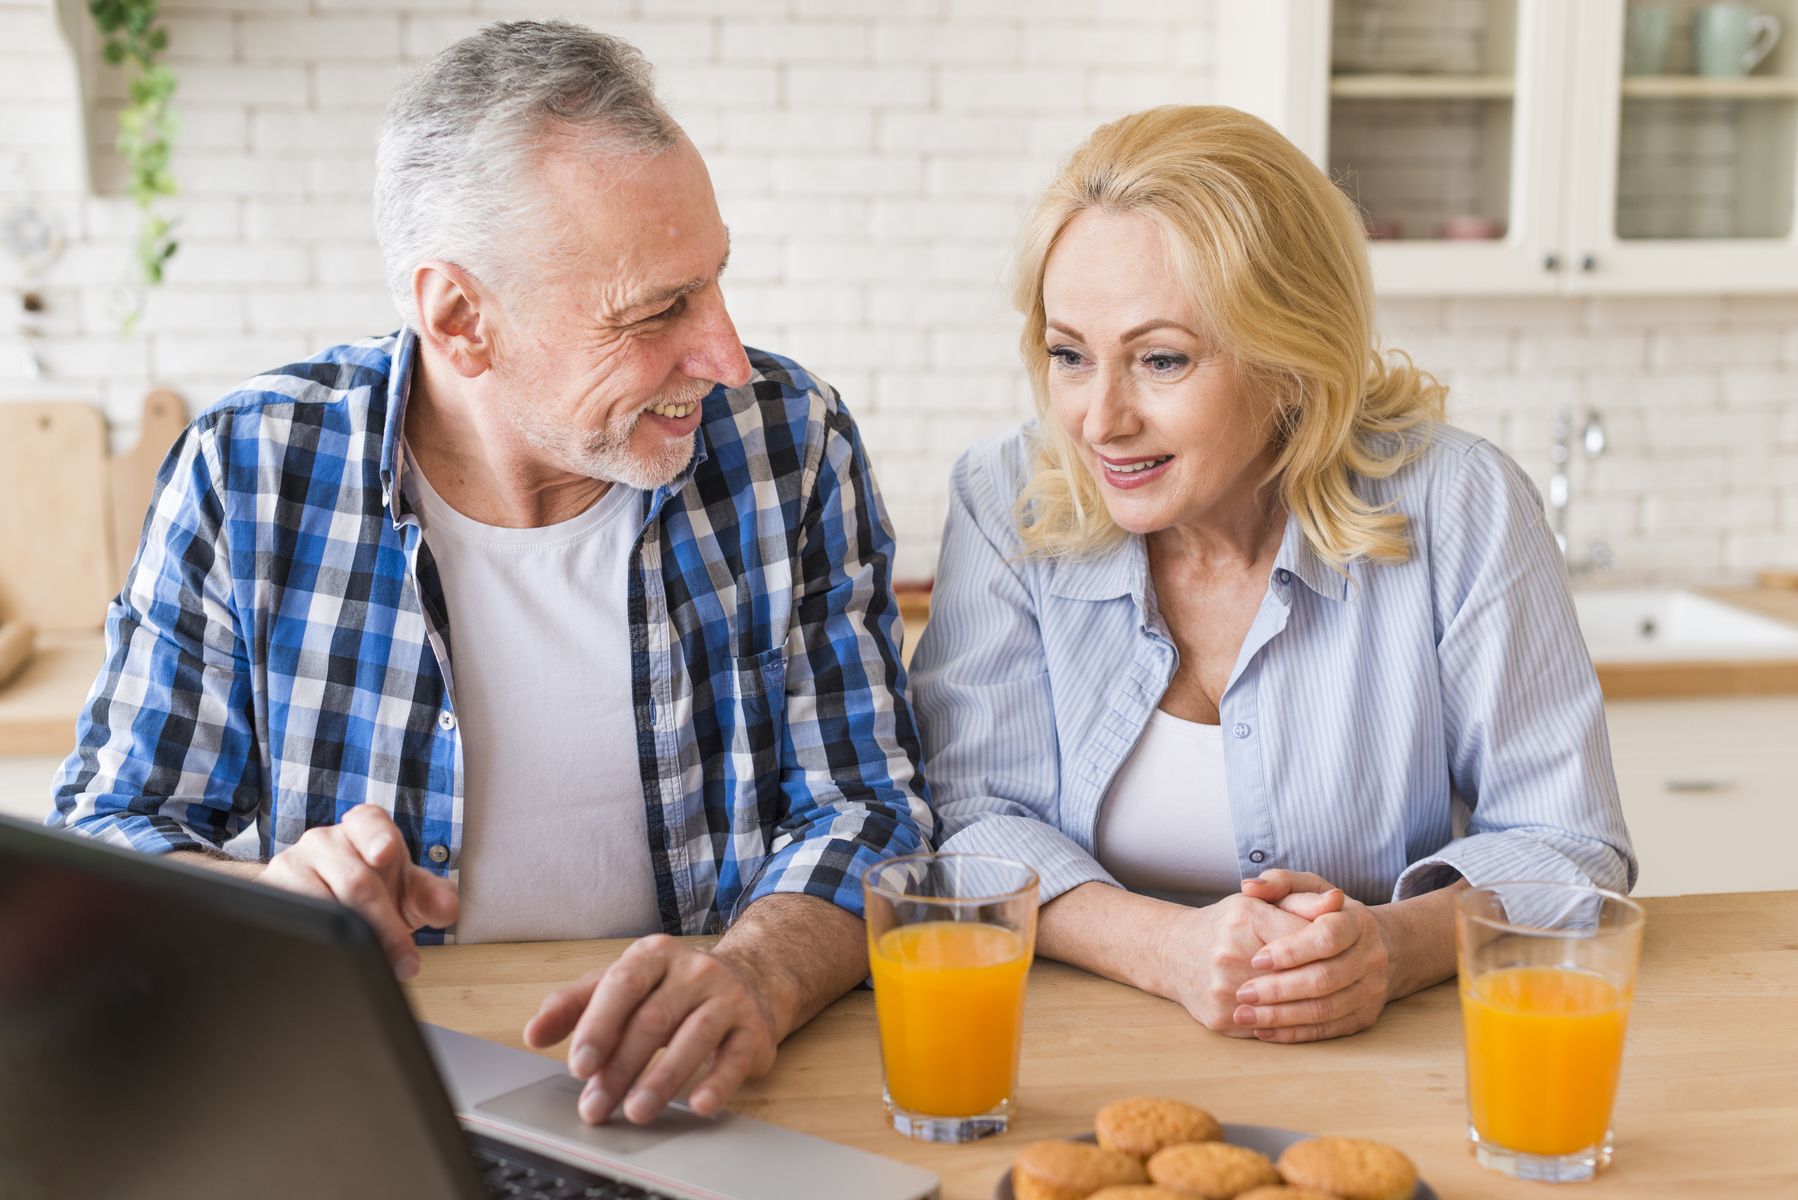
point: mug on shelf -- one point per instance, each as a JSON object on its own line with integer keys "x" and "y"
{"x": 1647, "y": 32}
{"x": 1731, "y": 38}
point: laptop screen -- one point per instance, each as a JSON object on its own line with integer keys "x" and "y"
{"x": 166, "y": 1032}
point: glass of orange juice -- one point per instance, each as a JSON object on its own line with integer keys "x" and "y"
{"x": 950, "y": 937}
{"x": 1547, "y": 972}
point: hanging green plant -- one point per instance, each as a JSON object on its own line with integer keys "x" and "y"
{"x": 135, "y": 39}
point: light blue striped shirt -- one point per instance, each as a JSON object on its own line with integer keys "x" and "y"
{"x": 1359, "y": 710}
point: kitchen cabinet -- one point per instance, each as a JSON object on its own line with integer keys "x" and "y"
{"x": 1499, "y": 146}
{"x": 1707, "y": 789}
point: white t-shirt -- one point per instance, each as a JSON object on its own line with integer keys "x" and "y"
{"x": 1164, "y": 826}
{"x": 555, "y": 841}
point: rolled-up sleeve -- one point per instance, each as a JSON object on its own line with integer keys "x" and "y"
{"x": 984, "y": 700}
{"x": 851, "y": 780}
{"x": 166, "y": 753}
{"x": 1523, "y": 714}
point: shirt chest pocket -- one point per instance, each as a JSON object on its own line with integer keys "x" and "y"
{"x": 753, "y": 727}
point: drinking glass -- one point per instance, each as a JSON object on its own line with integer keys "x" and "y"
{"x": 950, "y": 938}
{"x": 1547, "y": 972}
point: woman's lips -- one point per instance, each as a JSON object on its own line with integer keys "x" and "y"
{"x": 1137, "y": 475}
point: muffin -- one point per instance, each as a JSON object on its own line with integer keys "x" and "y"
{"x": 1069, "y": 1171}
{"x": 1352, "y": 1168}
{"x": 1143, "y": 1125}
{"x": 1139, "y": 1191}
{"x": 1211, "y": 1170}
{"x": 1280, "y": 1191}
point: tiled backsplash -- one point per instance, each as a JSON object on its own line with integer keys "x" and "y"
{"x": 873, "y": 158}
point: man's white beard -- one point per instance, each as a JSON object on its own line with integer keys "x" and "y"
{"x": 607, "y": 454}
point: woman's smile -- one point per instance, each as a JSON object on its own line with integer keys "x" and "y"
{"x": 1133, "y": 472}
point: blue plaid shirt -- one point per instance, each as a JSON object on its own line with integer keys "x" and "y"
{"x": 281, "y": 650}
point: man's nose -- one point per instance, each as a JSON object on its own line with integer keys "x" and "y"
{"x": 717, "y": 351}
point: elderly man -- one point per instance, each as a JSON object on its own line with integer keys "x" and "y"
{"x": 557, "y": 614}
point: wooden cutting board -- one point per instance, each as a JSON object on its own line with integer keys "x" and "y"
{"x": 56, "y": 556}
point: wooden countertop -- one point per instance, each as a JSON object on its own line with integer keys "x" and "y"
{"x": 1708, "y": 1104}
{"x": 38, "y": 707}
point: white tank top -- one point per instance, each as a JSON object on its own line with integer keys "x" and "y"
{"x": 555, "y": 840}
{"x": 1164, "y": 827}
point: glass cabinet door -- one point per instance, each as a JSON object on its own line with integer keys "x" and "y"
{"x": 1694, "y": 109}
{"x": 1438, "y": 129}
{"x": 1423, "y": 115}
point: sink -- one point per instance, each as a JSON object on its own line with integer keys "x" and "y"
{"x": 1671, "y": 624}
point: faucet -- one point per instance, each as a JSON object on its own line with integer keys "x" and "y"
{"x": 1598, "y": 555}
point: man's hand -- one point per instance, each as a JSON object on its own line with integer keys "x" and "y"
{"x": 361, "y": 862}
{"x": 716, "y": 1014}
{"x": 662, "y": 993}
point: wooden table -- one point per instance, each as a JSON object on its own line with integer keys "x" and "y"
{"x": 1708, "y": 1105}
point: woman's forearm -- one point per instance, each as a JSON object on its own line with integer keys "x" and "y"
{"x": 1420, "y": 939}
{"x": 1110, "y": 932}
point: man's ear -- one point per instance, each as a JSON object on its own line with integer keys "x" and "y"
{"x": 455, "y": 316}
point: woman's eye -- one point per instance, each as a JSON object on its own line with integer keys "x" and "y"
{"x": 1163, "y": 364}
{"x": 1063, "y": 356}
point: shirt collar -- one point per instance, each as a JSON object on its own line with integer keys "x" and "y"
{"x": 399, "y": 389}
{"x": 1298, "y": 556}
{"x": 1123, "y": 570}
{"x": 393, "y": 441}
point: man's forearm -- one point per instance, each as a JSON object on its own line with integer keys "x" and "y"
{"x": 800, "y": 952}
{"x": 224, "y": 864}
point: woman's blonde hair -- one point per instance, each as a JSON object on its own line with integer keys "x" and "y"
{"x": 1273, "y": 256}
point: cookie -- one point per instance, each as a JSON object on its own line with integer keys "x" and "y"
{"x": 1138, "y": 1191}
{"x": 1352, "y": 1168}
{"x": 1143, "y": 1125}
{"x": 1211, "y": 1170}
{"x": 1280, "y": 1191}
{"x": 1069, "y": 1171}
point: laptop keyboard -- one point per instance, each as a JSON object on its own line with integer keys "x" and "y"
{"x": 518, "y": 1174}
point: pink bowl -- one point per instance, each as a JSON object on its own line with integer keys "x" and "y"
{"x": 1469, "y": 229}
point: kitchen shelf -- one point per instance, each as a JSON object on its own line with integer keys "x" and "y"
{"x": 1422, "y": 87}
{"x": 1700, "y": 87}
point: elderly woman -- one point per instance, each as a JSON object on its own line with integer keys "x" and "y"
{"x": 1237, "y": 624}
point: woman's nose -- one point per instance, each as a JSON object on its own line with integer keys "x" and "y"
{"x": 1109, "y": 417}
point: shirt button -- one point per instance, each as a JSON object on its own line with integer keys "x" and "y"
{"x": 446, "y": 719}
{"x": 1240, "y": 729}
{"x": 439, "y": 854}
{"x": 1282, "y": 576}
{"x": 1255, "y": 856}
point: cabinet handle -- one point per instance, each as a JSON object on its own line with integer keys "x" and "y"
{"x": 1588, "y": 264}
{"x": 1699, "y": 786}
{"x": 1551, "y": 262}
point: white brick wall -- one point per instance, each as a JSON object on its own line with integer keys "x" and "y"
{"x": 873, "y": 158}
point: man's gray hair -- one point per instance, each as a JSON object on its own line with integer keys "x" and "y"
{"x": 462, "y": 135}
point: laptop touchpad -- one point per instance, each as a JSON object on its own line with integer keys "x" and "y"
{"x": 548, "y": 1106}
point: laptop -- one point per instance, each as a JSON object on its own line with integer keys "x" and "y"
{"x": 166, "y": 1031}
